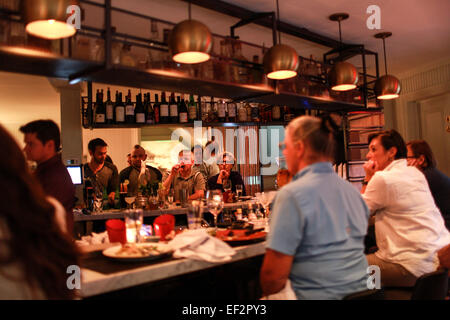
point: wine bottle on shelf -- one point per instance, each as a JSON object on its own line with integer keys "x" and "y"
{"x": 173, "y": 109}
{"x": 203, "y": 105}
{"x": 156, "y": 108}
{"x": 129, "y": 110}
{"x": 120, "y": 110}
{"x": 242, "y": 112}
{"x": 231, "y": 107}
{"x": 109, "y": 108}
{"x": 139, "y": 110}
{"x": 249, "y": 112}
{"x": 164, "y": 110}
{"x": 255, "y": 113}
{"x": 276, "y": 113}
{"x": 183, "y": 111}
{"x": 212, "y": 114}
{"x": 100, "y": 112}
{"x": 192, "y": 109}
{"x": 149, "y": 110}
{"x": 287, "y": 114}
{"x": 221, "y": 110}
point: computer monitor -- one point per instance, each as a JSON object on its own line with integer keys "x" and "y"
{"x": 76, "y": 173}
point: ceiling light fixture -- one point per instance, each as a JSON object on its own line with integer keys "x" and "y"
{"x": 190, "y": 41}
{"x": 47, "y": 18}
{"x": 281, "y": 61}
{"x": 343, "y": 76}
{"x": 386, "y": 87}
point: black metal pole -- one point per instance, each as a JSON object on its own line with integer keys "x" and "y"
{"x": 90, "y": 109}
{"x": 108, "y": 35}
{"x": 364, "y": 77}
{"x": 278, "y": 23}
{"x": 385, "y": 61}
{"x": 274, "y": 29}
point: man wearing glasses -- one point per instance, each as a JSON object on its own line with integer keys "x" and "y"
{"x": 225, "y": 173}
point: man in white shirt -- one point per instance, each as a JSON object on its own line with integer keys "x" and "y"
{"x": 409, "y": 227}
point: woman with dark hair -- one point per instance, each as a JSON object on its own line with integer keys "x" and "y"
{"x": 409, "y": 228}
{"x": 34, "y": 250}
{"x": 420, "y": 156}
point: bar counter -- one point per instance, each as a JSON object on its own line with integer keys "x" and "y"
{"x": 175, "y": 210}
{"x": 170, "y": 278}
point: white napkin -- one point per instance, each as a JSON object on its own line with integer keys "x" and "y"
{"x": 95, "y": 238}
{"x": 199, "y": 245}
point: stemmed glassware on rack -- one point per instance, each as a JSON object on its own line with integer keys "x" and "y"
{"x": 214, "y": 202}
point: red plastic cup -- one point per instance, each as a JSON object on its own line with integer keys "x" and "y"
{"x": 163, "y": 225}
{"x": 116, "y": 231}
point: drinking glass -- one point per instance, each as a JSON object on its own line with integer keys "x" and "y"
{"x": 227, "y": 185}
{"x": 195, "y": 214}
{"x": 170, "y": 196}
{"x": 130, "y": 201}
{"x": 98, "y": 201}
{"x": 214, "y": 201}
{"x": 239, "y": 189}
{"x": 133, "y": 224}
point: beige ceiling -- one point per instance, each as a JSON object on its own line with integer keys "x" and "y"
{"x": 421, "y": 28}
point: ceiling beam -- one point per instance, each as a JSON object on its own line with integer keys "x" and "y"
{"x": 242, "y": 13}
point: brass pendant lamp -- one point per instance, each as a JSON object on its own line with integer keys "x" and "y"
{"x": 190, "y": 41}
{"x": 343, "y": 76}
{"x": 281, "y": 61}
{"x": 47, "y": 18}
{"x": 386, "y": 87}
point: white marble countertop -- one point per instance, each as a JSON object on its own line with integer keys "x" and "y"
{"x": 95, "y": 283}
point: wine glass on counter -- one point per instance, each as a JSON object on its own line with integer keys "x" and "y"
{"x": 130, "y": 201}
{"x": 170, "y": 196}
{"x": 214, "y": 202}
{"x": 239, "y": 189}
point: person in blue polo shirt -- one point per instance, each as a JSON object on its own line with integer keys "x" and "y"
{"x": 318, "y": 222}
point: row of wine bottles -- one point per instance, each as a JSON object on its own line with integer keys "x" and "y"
{"x": 180, "y": 110}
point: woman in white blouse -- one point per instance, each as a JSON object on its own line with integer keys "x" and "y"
{"x": 408, "y": 226}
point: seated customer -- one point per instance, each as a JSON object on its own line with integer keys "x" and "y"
{"x": 420, "y": 155}
{"x": 318, "y": 221}
{"x": 408, "y": 226}
{"x": 34, "y": 250}
{"x": 226, "y": 163}
{"x": 103, "y": 174}
{"x": 182, "y": 177}
{"x": 131, "y": 173}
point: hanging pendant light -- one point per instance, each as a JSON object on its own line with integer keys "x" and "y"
{"x": 47, "y": 18}
{"x": 190, "y": 41}
{"x": 343, "y": 75}
{"x": 386, "y": 87}
{"x": 281, "y": 61}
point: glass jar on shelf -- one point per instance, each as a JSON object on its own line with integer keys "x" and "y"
{"x": 242, "y": 112}
{"x": 241, "y": 67}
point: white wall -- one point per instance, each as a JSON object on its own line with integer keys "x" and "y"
{"x": 25, "y": 98}
{"x": 419, "y": 85}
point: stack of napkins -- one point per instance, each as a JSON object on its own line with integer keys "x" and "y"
{"x": 199, "y": 245}
{"x": 95, "y": 238}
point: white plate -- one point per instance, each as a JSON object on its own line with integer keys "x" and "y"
{"x": 165, "y": 251}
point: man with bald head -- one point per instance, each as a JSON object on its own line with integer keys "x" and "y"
{"x": 132, "y": 172}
